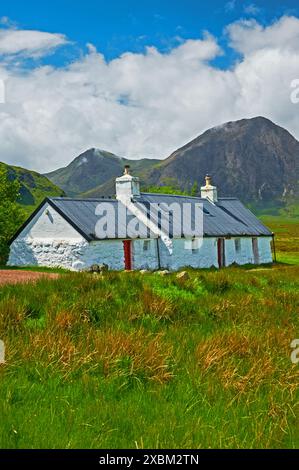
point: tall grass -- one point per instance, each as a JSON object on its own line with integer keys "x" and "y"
{"x": 131, "y": 360}
{"x": 286, "y": 231}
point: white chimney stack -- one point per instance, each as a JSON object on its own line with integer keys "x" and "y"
{"x": 208, "y": 191}
{"x": 127, "y": 186}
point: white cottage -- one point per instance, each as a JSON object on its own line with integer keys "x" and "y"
{"x": 75, "y": 233}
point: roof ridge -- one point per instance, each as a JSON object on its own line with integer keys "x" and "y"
{"x": 229, "y": 197}
{"x": 106, "y": 198}
{"x": 173, "y": 195}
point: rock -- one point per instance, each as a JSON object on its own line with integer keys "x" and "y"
{"x": 165, "y": 272}
{"x": 98, "y": 268}
{"x": 103, "y": 268}
{"x": 93, "y": 268}
{"x": 183, "y": 276}
{"x": 143, "y": 271}
{"x": 98, "y": 275}
{"x": 78, "y": 265}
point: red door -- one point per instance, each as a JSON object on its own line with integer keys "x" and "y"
{"x": 221, "y": 252}
{"x": 128, "y": 254}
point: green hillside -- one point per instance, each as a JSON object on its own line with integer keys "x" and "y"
{"x": 34, "y": 186}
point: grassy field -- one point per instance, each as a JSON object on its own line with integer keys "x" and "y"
{"x": 287, "y": 237}
{"x": 132, "y": 360}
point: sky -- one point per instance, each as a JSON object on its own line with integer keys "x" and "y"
{"x": 139, "y": 78}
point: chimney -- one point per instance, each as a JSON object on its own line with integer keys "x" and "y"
{"x": 208, "y": 191}
{"x": 127, "y": 186}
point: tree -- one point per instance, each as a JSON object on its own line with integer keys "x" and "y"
{"x": 165, "y": 190}
{"x": 194, "y": 189}
{"x": 11, "y": 214}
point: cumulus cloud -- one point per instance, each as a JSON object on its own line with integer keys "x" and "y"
{"x": 247, "y": 36}
{"x": 147, "y": 104}
{"x": 28, "y": 43}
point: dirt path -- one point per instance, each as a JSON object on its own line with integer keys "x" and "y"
{"x": 14, "y": 277}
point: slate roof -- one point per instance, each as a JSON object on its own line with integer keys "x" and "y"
{"x": 228, "y": 217}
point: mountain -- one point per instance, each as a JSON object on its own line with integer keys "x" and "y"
{"x": 34, "y": 186}
{"x": 94, "y": 168}
{"x": 252, "y": 159}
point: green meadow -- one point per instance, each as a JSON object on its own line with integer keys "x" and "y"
{"x": 132, "y": 360}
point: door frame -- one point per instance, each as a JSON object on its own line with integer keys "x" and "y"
{"x": 221, "y": 252}
{"x": 128, "y": 254}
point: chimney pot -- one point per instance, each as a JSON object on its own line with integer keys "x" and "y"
{"x": 208, "y": 180}
{"x": 208, "y": 191}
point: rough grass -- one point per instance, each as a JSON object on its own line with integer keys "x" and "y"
{"x": 287, "y": 237}
{"x": 131, "y": 360}
{"x": 146, "y": 361}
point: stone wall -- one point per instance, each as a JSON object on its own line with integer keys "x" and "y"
{"x": 182, "y": 254}
{"x": 145, "y": 254}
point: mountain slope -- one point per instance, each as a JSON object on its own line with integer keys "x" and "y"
{"x": 34, "y": 186}
{"x": 94, "y": 168}
{"x": 253, "y": 159}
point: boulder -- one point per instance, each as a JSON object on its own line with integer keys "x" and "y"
{"x": 183, "y": 276}
{"x": 103, "y": 268}
{"x": 98, "y": 268}
{"x": 94, "y": 268}
{"x": 98, "y": 275}
{"x": 165, "y": 272}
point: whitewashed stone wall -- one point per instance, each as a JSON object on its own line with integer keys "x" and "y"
{"x": 47, "y": 252}
{"x": 73, "y": 255}
{"x": 204, "y": 257}
{"x": 110, "y": 252}
{"x": 48, "y": 240}
{"x": 207, "y": 254}
{"x": 245, "y": 254}
{"x": 145, "y": 259}
{"x": 265, "y": 252}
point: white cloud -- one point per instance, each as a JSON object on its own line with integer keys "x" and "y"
{"x": 251, "y": 9}
{"x": 6, "y": 21}
{"x": 248, "y": 36}
{"x": 230, "y": 5}
{"x": 147, "y": 105}
{"x": 28, "y": 43}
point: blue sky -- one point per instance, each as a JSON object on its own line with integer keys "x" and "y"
{"x": 117, "y": 26}
{"x": 139, "y": 78}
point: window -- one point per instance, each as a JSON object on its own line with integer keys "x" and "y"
{"x": 188, "y": 244}
{"x": 238, "y": 245}
{"x": 146, "y": 245}
{"x": 192, "y": 245}
{"x": 195, "y": 245}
